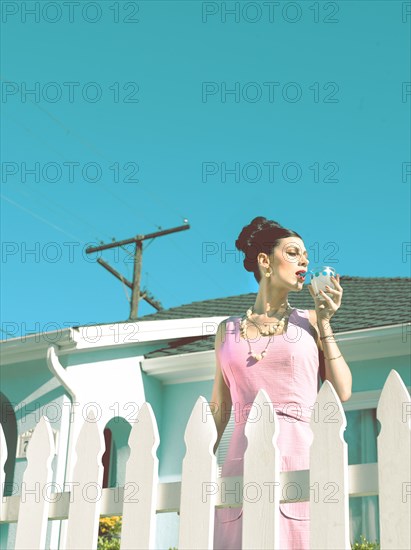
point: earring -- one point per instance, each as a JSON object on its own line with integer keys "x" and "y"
{"x": 269, "y": 274}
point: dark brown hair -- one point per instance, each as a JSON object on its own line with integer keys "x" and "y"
{"x": 260, "y": 235}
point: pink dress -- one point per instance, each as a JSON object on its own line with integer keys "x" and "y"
{"x": 289, "y": 373}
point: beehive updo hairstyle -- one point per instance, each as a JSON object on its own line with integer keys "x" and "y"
{"x": 260, "y": 235}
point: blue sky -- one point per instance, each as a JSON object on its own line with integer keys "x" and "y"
{"x": 143, "y": 114}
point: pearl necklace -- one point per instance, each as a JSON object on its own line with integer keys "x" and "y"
{"x": 264, "y": 332}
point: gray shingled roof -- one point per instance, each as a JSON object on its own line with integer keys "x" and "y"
{"x": 367, "y": 302}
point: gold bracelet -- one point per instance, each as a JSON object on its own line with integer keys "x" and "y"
{"x": 331, "y": 358}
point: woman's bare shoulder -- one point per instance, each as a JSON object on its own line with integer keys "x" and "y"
{"x": 232, "y": 318}
{"x": 221, "y": 329}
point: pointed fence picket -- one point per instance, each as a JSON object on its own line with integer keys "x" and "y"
{"x": 329, "y": 506}
{"x": 34, "y": 501}
{"x": 199, "y": 473}
{"x": 261, "y": 476}
{"x": 86, "y": 488}
{"x": 140, "y": 490}
{"x": 394, "y": 464}
{"x": 327, "y": 485}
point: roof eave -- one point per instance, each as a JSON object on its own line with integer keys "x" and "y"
{"x": 97, "y": 337}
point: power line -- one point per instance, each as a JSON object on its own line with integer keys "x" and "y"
{"x": 56, "y": 227}
{"x": 47, "y": 200}
{"x": 157, "y": 199}
{"x": 36, "y": 137}
{"x": 61, "y": 155}
{"x": 90, "y": 146}
{"x": 81, "y": 141}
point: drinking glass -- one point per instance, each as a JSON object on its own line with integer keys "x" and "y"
{"x": 321, "y": 276}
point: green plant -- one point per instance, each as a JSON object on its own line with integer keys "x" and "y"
{"x": 365, "y": 544}
{"x": 104, "y": 543}
{"x": 108, "y": 533}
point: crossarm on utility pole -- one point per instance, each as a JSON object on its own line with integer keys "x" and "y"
{"x": 136, "y": 295}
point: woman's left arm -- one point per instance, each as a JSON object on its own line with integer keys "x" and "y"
{"x": 336, "y": 369}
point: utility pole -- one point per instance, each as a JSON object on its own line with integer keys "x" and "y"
{"x": 136, "y": 295}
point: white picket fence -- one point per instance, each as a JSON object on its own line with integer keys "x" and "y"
{"x": 327, "y": 485}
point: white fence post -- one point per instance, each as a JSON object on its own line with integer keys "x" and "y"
{"x": 394, "y": 463}
{"x": 198, "y": 480}
{"x": 140, "y": 489}
{"x": 262, "y": 474}
{"x": 34, "y": 500}
{"x": 86, "y": 492}
{"x": 329, "y": 505}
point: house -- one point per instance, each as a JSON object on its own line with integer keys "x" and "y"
{"x": 167, "y": 359}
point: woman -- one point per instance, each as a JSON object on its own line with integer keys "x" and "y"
{"x": 284, "y": 351}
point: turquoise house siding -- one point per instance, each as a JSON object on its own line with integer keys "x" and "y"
{"x": 179, "y": 400}
{"x": 371, "y": 375}
{"x": 154, "y": 392}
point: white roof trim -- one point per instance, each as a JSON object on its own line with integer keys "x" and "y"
{"x": 96, "y": 337}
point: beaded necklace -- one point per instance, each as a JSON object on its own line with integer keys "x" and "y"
{"x": 265, "y": 332}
